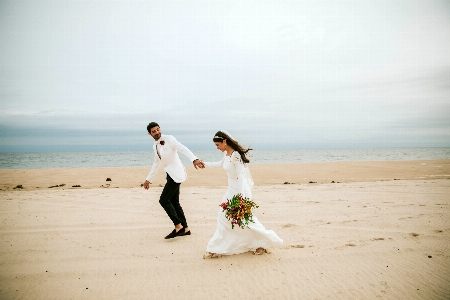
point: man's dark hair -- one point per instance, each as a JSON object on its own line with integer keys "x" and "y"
{"x": 151, "y": 125}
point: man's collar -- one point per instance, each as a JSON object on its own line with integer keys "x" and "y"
{"x": 161, "y": 138}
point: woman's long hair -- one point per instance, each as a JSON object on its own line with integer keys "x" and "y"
{"x": 223, "y": 135}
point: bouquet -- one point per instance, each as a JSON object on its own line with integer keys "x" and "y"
{"x": 239, "y": 210}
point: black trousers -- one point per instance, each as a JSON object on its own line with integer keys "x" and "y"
{"x": 170, "y": 201}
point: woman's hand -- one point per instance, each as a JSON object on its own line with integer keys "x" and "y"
{"x": 198, "y": 164}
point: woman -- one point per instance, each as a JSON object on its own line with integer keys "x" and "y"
{"x": 228, "y": 241}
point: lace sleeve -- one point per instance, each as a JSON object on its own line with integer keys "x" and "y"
{"x": 240, "y": 171}
{"x": 216, "y": 164}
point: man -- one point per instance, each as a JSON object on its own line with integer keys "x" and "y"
{"x": 166, "y": 150}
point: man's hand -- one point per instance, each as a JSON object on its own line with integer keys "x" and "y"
{"x": 146, "y": 184}
{"x": 198, "y": 164}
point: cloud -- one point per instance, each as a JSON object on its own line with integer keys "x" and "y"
{"x": 325, "y": 74}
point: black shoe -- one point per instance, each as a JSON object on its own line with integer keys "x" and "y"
{"x": 187, "y": 233}
{"x": 173, "y": 234}
{"x": 181, "y": 232}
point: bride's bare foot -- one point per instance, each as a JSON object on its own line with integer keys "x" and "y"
{"x": 211, "y": 255}
{"x": 260, "y": 251}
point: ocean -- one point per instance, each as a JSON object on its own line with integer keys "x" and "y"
{"x": 50, "y": 160}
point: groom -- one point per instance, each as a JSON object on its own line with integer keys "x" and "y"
{"x": 166, "y": 150}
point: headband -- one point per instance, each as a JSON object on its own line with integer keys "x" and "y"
{"x": 217, "y": 139}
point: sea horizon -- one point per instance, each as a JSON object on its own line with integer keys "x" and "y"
{"x": 98, "y": 159}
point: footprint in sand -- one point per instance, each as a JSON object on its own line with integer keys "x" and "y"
{"x": 384, "y": 287}
{"x": 289, "y": 225}
{"x": 348, "y": 221}
{"x": 295, "y": 246}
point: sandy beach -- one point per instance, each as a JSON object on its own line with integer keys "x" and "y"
{"x": 351, "y": 230}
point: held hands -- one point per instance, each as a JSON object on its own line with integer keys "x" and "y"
{"x": 198, "y": 164}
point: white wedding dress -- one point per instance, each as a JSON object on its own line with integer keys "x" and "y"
{"x": 227, "y": 241}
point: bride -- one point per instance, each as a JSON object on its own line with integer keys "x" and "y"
{"x": 228, "y": 241}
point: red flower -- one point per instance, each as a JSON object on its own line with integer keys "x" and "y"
{"x": 238, "y": 210}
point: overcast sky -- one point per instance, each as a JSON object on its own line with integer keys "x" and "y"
{"x": 90, "y": 75}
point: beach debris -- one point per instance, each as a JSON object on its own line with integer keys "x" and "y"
{"x": 312, "y": 182}
{"x": 18, "y": 187}
{"x": 108, "y": 179}
{"x": 333, "y": 181}
{"x": 105, "y": 186}
{"x": 77, "y": 185}
{"x": 142, "y": 184}
{"x": 429, "y": 256}
{"x": 58, "y": 185}
{"x": 286, "y": 182}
